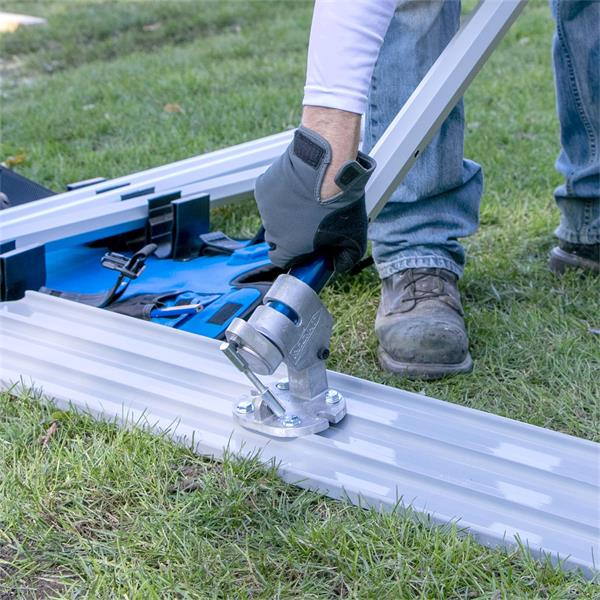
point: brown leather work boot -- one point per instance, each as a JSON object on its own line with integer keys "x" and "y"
{"x": 568, "y": 256}
{"x": 420, "y": 325}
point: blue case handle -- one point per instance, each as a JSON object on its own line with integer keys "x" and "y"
{"x": 315, "y": 273}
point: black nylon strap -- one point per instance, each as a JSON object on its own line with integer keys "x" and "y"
{"x": 141, "y": 305}
{"x": 129, "y": 269}
{"x": 219, "y": 243}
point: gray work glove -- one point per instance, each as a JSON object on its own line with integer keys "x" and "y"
{"x": 298, "y": 224}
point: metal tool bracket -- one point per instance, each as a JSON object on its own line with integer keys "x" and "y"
{"x": 304, "y": 333}
{"x": 292, "y": 326}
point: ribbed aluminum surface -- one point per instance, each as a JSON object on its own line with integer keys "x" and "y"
{"x": 499, "y": 478}
{"x": 170, "y": 177}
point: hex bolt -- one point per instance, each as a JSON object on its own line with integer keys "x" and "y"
{"x": 291, "y": 421}
{"x": 323, "y": 354}
{"x": 283, "y": 384}
{"x": 333, "y": 397}
{"x": 245, "y": 407}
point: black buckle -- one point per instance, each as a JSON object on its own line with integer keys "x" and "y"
{"x": 123, "y": 264}
{"x": 132, "y": 267}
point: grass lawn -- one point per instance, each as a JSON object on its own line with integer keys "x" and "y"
{"x": 98, "y": 512}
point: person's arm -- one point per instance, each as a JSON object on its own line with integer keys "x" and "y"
{"x": 311, "y": 199}
{"x": 345, "y": 39}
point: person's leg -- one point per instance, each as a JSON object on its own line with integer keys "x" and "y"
{"x": 576, "y": 54}
{"x": 438, "y": 201}
{"x": 415, "y": 238}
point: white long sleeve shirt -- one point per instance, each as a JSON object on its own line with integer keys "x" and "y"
{"x": 345, "y": 39}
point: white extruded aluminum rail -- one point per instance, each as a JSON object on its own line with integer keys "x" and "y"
{"x": 501, "y": 479}
{"x": 433, "y": 99}
{"x": 20, "y": 226}
{"x": 226, "y": 160}
{"x": 126, "y": 215}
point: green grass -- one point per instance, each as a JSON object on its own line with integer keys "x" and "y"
{"x": 100, "y": 512}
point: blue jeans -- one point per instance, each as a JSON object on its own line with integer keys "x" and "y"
{"x": 438, "y": 202}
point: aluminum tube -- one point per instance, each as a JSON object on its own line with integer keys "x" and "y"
{"x": 433, "y": 99}
{"x": 126, "y": 215}
{"x": 231, "y": 159}
{"x": 10, "y": 222}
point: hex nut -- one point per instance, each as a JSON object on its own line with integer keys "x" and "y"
{"x": 291, "y": 420}
{"x": 245, "y": 407}
{"x": 333, "y": 397}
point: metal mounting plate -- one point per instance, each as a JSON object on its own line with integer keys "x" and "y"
{"x": 302, "y": 417}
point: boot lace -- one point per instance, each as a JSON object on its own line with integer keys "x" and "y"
{"x": 416, "y": 292}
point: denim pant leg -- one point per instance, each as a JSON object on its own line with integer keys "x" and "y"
{"x": 576, "y": 53}
{"x": 438, "y": 201}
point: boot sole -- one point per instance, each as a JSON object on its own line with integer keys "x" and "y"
{"x": 561, "y": 261}
{"x": 426, "y": 371}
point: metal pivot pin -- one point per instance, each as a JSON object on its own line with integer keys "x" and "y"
{"x": 229, "y": 349}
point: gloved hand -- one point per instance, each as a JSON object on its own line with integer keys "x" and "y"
{"x": 298, "y": 223}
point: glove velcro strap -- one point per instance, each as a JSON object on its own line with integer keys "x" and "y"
{"x": 307, "y": 150}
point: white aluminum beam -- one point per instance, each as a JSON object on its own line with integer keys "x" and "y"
{"x": 224, "y": 161}
{"x": 54, "y": 226}
{"x": 500, "y": 479}
{"x": 17, "y": 225}
{"x": 433, "y": 99}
